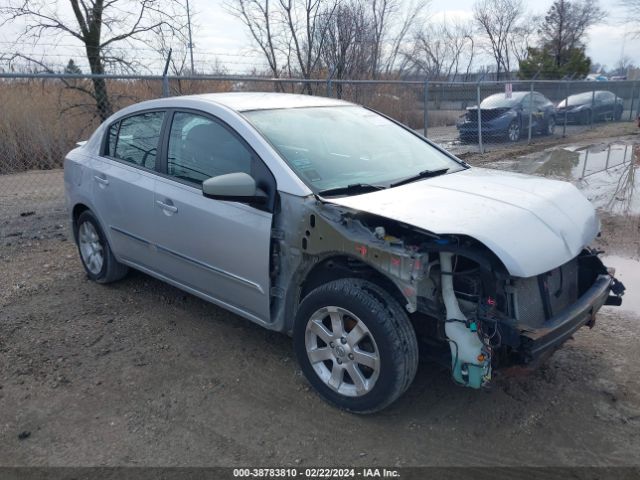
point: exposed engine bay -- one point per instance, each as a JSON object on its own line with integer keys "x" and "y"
{"x": 467, "y": 309}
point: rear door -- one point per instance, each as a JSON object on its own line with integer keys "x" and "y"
{"x": 216, "y": 248}
{"x": 124, "y": 180}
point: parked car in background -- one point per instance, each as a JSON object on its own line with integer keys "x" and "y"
{"x": 601, "y": 104}
{"x": 596, "y": 77}
{"x": 337, "y": 225}
{"x": 507, "y": 117}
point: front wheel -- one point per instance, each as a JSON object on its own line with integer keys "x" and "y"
{"x": 617, "y": 116}
{"x": 355, "y": 345}
{"x": 513, "y": 131}
{"x": 551, "y": 126}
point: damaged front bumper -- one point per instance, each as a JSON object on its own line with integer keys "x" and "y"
{"x": 540, "y": 342}
{"x": 534, "y": 337}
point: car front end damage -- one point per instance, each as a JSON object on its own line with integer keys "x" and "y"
{"x": 466, "y": 308}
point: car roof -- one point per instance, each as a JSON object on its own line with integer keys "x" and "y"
{"x": 246, "y": 101}
{"x": 513, "y": 94}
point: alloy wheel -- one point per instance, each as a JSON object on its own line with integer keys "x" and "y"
{"x": 342, "y": 351}
{"x": 551, "y": 126}
{"x": 514, "y": 132}
{"x": 91, "y": 249}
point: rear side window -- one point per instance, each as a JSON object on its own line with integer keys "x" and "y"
{"x": 135, "y": 139}
{"x": 201, "y": 148}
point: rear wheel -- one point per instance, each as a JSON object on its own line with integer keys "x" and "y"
{"x": 355, "y": 345}
{"x": 98, "y": 260}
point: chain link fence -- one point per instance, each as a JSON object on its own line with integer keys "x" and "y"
{"x": 45, "y": 115}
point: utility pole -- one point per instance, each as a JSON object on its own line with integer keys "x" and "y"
{"x": 190, "y": 40}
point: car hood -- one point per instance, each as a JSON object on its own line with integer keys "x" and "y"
{"x": 532, "y": 224}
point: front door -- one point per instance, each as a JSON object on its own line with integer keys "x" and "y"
{"x": 217, "y": 248}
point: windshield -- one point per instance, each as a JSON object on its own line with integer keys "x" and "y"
{"x": 334, "y": 147}
{"x": 500, "y": 100}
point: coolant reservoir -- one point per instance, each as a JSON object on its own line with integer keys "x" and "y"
{"x": 466, "y": 347}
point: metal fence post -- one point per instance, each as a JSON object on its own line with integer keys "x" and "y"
{"x": 593, "y": 102}
{"x": 426, "y": 106}
{"x": 479, "y": 121}
{"x": 584, "y": 167}
{"x": 165, "y": 79}
{"x": 530, "y": 112}
{"x": 633, "y": 98}
{"x": 566, "y": 108}
{"x": 329, "y": 87}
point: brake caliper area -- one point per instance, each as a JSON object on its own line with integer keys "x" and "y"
{"x": 470, "y": 353}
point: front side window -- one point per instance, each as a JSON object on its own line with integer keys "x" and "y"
{"x": 605, "y": 97}
{"x": 334, "y": 147}
{"x": 135, "y": 140}
{"x": 540, "y": 100}
{"x": 201, "y": 148}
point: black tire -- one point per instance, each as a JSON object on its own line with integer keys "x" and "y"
{"x": 617, "y": 116}
{"x": 513, "y": 132}
{"x": 550, "y": 126}
{"x": 111, "y": 270}
{"x": 390, "y": 329}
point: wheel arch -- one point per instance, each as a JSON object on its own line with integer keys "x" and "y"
{"x": 76, "y": 211}
{"x": 338, "y": 266}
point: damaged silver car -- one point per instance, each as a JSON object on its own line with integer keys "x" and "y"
{"x": 337, "y": 225}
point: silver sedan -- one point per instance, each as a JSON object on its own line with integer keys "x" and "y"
{"x": 342, "y": 228}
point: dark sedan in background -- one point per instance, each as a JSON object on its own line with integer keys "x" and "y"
{"x": 507, "y": 117}
{"x": 579, "y": 108}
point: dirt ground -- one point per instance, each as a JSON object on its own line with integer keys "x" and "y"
{"x": 140, "y": 373}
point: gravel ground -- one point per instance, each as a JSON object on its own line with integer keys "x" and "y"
{"x": 140, "y": 373}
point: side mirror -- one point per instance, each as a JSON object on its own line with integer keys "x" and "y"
{"x": 235, "y": 187}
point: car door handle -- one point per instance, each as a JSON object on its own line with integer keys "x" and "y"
{"x": 101, "y": 180}
{"x": 167, "y": 207}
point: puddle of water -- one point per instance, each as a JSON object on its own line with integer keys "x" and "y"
{"x": 606, "y": 174}
{"x": 628, "y": 272}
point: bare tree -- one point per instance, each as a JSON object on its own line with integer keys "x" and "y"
{"x": 438, "y": 50}
{"x": 97, "y": 25}
{"x": 347, "y": 47}
{"x": 496, "y": 21}
{"x": 631, "y": 15}
{"x": 522, "y": 38}
{"x": 307, "y": 22}
{"x": 289, "y": 33}
{"x": 390, "y": 29}
{"x": 622, "y": 66}
{"x": 260, "y": 19}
